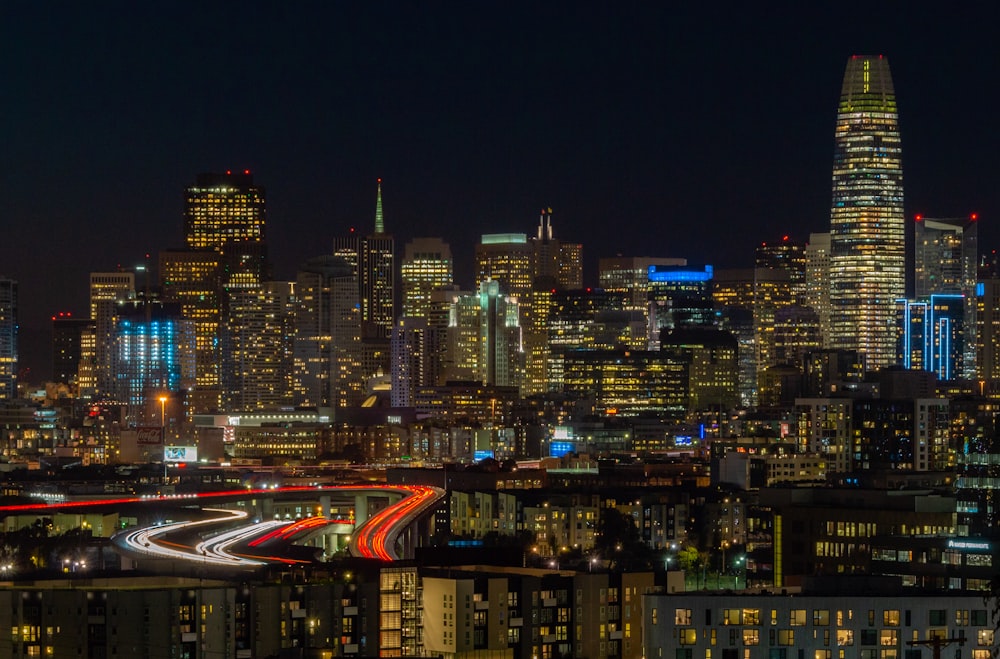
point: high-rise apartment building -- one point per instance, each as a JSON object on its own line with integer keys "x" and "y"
{"x": 988, "y": 331}
{"x": 327, "y": 351}
{"x": 945, "y": 259}
{"x": 818, "y": 281}
{"x": 413, "y": 362}
{"x": 867, "y": 241}
{"x": 8, "y": 338}
{"x": 259, "y": 340}
{"x": 427, "y": 266}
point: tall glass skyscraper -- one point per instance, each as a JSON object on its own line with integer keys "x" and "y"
{"x": 945, "y": 258}
{"x": 867, "y": 242}
{"x": 226, "y": 213}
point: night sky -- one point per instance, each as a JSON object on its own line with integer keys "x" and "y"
{"x": 662, "y": 130}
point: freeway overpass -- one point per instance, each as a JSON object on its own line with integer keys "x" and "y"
{"x": 390, "y": 533}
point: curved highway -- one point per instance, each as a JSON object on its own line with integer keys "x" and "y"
{"x": 375, "y": 538}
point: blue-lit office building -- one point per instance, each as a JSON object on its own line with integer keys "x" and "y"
{"x": 931, "y": 335}
{"x": 153, "y": 357}
{"x": 680, "y": 297}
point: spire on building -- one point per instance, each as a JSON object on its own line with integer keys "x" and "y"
{"x": 379, "y": 225}
{"x": 545, "y": 225}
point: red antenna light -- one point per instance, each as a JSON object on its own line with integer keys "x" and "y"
{"x": 246, "y": 171}
{"x": 919, "y": 217}
{"x": 784, "y": 238}
{"x": 975, "y": 216}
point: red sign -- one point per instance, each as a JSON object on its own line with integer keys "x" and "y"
{"x": 149, "y": 436}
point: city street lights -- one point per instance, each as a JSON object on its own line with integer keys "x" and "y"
{"x": 740, "y": 562}
{"x": 163, "y": 434}
{"x": 723, "y": 566}
{"x": 163, "y": 412}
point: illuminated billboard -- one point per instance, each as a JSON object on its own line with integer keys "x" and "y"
{"x": 559, "y": 449}
{"x": 180, "y": 454}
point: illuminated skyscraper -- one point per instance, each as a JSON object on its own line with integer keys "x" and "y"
{"x": 8, "y": 338}
{"x": 427, "y": 265}
{"x": 988, "y": 331}
{"x": 378, "y": 276}
{"x": 192, "y": 279}
{"x": 226, "y": 213}
{"x": 759, "y": 292}
{"x": 484, "y": 338}
{"x": 327, "y": 349}
{"x": 630, "y": 274}
{"x": 788, "y": 256}
{"x": 818, "y": 281}
{"x": 373, "y": 259}
{"x": 679, "y": 296}
{"x": 412, "y": 359}
{"x": 713, "y": 376}
{"x": 508, "y": 260}
{"x": 931, "y": 334}
{"x": 107, "y": 289}
{"x": 153, "y": 356}
{"x": 225, "y": 236}
{"x": 945, "y": 254}
{"x": 559, "y": 261}
{"x": 258, "y": 347}
{"x": 867, "y": 242}
{"x": 68, "y": 343}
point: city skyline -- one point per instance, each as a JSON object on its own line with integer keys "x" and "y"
{"x": 622, "y": 122}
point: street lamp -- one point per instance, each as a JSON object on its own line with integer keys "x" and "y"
{"x": 740, "y": 563}
{"x": 163, "y": 412}
{"x": 163, "y": 434}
